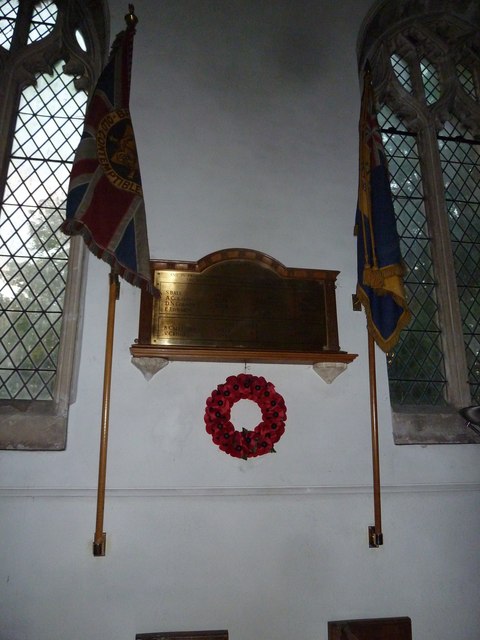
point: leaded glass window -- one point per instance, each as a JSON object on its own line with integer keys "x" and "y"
{"x": 33, "y": 255}
{"x": 466, "y": 79}
{"x": 416, "y": 367}
{"x": 431, "y": 82}
{"x": 43, "y": 105}
{"x": 43, "y": 20}
{"x": 8, "y": 16}
{"x": 426, "y": 72}
{"x": 401, "y": 70}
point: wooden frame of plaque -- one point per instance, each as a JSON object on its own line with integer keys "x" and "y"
{"x": 240, "y": 305}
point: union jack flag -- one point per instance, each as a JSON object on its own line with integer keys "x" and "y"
{"x": 380, "y": 286}
{"x": 105, "y": 200}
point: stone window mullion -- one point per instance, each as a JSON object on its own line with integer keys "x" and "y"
{"x": 416, "y": 78}
{"x": 458, "y": 392}
{"x": 25, "y": 11}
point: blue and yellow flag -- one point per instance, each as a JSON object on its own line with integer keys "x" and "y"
{"x": 380, "y": 286}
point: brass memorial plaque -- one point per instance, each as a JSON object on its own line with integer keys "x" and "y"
{"x": 239, "y": 304}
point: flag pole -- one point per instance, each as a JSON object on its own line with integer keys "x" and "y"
{"x": 100, "y": 538}
{"x": 375, "y": 535}
{"x": 105, "y": 205}
{"x": 380, "y": 288}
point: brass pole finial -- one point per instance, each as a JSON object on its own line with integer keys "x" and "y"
{"x": 130, "y": 18}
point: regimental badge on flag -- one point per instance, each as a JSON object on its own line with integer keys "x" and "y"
{"x": 380, "y": 286}
{"x": 105, "y": 200}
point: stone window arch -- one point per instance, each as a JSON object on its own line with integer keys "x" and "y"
{"x": 51, "y": 52}
{"x": 425, "y": 61}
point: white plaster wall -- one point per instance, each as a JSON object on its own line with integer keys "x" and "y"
{"x": 245, "y": 115}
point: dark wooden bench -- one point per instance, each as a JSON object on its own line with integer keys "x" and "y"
{"x": 371, "y": 629}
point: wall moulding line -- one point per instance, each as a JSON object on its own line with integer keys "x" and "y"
{"x": 219, "y": 492}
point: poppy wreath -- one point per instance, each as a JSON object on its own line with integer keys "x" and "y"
{"x": 245, "y": 444}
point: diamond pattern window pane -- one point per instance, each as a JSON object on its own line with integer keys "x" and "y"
{"x": 8, "y": 15}
{"x": 431, "y": 82}
{"x": 33, "y": 255}
{"x": 389, "y": 120}
{"x": 30, "y": 182}
{"x": 466, "y": 80}
{"x": 461, "y": 172}
{"x": 415, "y": 368}
{"x": 400, "y": 67}
{"x": 43, "y": 20}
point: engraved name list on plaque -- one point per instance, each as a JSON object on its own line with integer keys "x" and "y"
{"x": 240, "y": 305}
